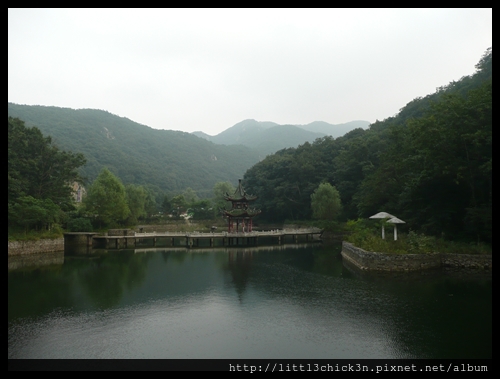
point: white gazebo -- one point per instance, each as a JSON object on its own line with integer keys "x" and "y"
{"x": 396, "y": 221}
{"x": 383, "y": 215}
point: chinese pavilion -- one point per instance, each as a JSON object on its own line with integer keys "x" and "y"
{"x": 240, "y": 213}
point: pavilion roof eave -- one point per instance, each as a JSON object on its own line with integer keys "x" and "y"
{"x": 243, "y": 198}
{"x": 242, "y": 213}
{"x": 239, "y": 194}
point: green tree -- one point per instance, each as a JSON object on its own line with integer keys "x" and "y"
{"x": 325, "y": 202}
{"x": 37, "y": 214}
{"x": 179, "y": 205}
{"x": 106, "y": 199}
{"x": 136, "y": 200}
{"x": 166, "y": 205}
{"x": 202, "y": 210}
{"x": 79, "y": 224}
{"x": 219, "y": 191}
{"x": 190, "y": 195}
{"x": 39, "y": 178}
{"x": 150, "y": 205}
{"x": 39, "y": 169}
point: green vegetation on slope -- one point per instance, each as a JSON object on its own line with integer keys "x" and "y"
{"x": 170, "y": 160}
{"x": 430, "y": 165}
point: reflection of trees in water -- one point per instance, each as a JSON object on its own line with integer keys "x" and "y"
{"x": 38, "y": 290}
{"x": 328, "y": 260}
{"x": 432, "y": 312}
{"x": 35, "y": 261}
{"x": 417, "y": 312}
{"x": 243, "y": 263}
{"x": 105, "y": 279}
{"x": 165, "y": 255}
{"x": 176, "y": 256}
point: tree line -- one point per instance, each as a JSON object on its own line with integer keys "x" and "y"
{"x": 41, "y": 180}
{"x": 109, "y": 203}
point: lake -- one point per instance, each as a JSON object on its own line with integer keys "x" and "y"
{"x": 296, "y": 301}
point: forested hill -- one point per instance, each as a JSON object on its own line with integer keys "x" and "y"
{"x": 430, "y": 165}
{"x": 136, "y": 153}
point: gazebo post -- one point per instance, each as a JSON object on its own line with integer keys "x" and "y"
{"x": 396, "y": 221}
{"x": 382, "y": 215}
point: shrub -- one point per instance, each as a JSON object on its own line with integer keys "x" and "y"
{"x": 79, "y": 224}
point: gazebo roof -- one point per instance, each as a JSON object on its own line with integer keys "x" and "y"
{"x": 240, "y": 194}
{"x": 382, "y": 215}
{"x": 396, "y": 220}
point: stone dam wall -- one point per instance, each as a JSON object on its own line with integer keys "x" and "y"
{"x": 367, "y": 260}
{"x": 35, "y": 247}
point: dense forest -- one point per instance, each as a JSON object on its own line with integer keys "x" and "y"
{"x": 430, "y": 165}
{"x": 167, "y": 161}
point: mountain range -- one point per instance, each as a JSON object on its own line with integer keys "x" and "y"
{"x": 168, "y": 160}
{"x": 268, "y": 137}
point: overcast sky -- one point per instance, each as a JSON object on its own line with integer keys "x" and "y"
{"x": 208, "y": 69}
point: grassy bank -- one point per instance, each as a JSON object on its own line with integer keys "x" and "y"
{"x": 33, "y": 235}
{"x": 366, "y": 234}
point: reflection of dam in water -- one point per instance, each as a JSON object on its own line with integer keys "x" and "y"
{"x": 35, "y": 260}
{"x": 57, "y": 258}
{"x": 226, "y": 249}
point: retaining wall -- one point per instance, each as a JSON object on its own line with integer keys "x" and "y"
{"x": 367, "y": 260}
{"x": 34, "y": 247}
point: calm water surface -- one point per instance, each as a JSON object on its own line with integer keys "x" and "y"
{"x": 282, "y": 302}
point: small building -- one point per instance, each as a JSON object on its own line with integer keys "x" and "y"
{"x": 240, "y": 213}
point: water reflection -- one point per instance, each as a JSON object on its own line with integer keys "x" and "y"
{"x": 26, "y": 261}
{"x": 297, "y": 301}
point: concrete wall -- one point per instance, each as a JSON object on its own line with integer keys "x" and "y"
{"x": 367, "y": 260}
{"x": 34, "y": 247}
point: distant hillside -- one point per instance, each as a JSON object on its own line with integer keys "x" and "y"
{"x": 203, "y": 135}
{"x": 136, "y": 153}
{"x": 268, "y": 137}
{"x": 337, "y": 130}
{"x": 241, "y": 132}
{"x": 279, "y": 137}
